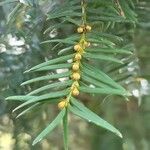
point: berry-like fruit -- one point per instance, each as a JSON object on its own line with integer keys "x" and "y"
{"x": 76, "y": 76}
{"x": 77, "y": 48}
{"x": 75, "y": 92}
{"x": 88, "y": 28}
{"x": 75, "y": 67}
{"x": 78, "y": 57}
{"x": 62, "y": 104}
{"x": 80, "y": 30}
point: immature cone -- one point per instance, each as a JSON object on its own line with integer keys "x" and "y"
{"x": 75, "y": 92}
{"x": 75, "y": 67}
{"x": 62, "y": 104}
{"x": 77, "y": 48}
{"x": 88, "y": 28}
{"x": 80, "y": 30}
{"x": 87, "y": 44}
{"x": 76, "y": 76}
{"x": 77, "y": 57}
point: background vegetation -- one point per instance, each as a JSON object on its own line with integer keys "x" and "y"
{"x": 20, "y": 49}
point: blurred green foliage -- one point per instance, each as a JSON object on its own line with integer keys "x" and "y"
{"x": 20, "y": 49}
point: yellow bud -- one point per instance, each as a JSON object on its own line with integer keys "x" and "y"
{"x": 75, "y": 67}
{"x": 88, "y": 28}
{"x": 87, "y": 44}
{"x": 75, "y": 92}
{"x": 77, "y": 57}
{"x": 62, "y": 104}
{"x": 76, "y": 76}
{"x": 77, "y": 47}
{"x": 80, "y": 30}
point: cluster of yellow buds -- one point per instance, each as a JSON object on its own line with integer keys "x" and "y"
{"x": 84, "y": 28}
{"x": 79, "y": 50}
{"x": 76, "y": 77}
